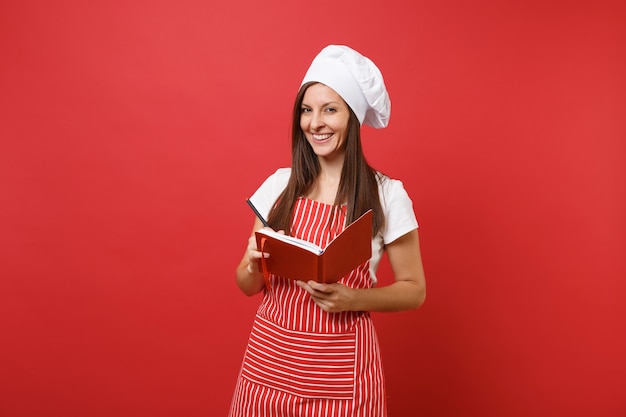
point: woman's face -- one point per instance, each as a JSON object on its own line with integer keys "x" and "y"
{"x": 324, "y": 118}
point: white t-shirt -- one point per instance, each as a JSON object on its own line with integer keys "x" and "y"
{"x": 396, "y": 203}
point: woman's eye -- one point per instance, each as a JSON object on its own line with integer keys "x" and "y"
{"x": 305, "y": 110}
{"x": 331, "y": 109}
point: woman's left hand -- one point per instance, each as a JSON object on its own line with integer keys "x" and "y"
{"x": 333, "y": 298}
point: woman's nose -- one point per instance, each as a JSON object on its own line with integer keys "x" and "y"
{"x": 316, "y": 120}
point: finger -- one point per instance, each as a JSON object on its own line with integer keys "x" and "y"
{"x": 323, "y": 288}
{"x": 305, "y": 286}
{"x": 316, "y": 295}
{"x": 255, "y": 254}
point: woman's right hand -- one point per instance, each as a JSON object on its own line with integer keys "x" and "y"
{"x": 249, "y": 277}
{"x": 254, "y": 254}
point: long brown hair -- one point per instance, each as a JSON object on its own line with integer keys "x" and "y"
{"x": 358, "y": 186}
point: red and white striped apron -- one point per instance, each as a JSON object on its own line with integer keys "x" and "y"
{"x": 302, "y": 361}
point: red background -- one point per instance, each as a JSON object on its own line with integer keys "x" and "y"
{"x": 132, "y": 131}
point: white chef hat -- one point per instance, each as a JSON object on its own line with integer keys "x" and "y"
{"x": 356, "y": 79}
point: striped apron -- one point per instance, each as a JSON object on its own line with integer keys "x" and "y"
{"x": 302, "y": 361}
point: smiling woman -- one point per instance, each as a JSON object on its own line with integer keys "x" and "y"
{"x": 130, "y": 135}
{"x": 324, "y": 121}
{"x": 313, "y": 349}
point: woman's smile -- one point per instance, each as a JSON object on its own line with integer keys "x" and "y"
{"x": 319, "y": 137}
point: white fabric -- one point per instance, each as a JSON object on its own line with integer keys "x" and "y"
{"x": 356, "y": 79}
{"x": 396, "y": 203}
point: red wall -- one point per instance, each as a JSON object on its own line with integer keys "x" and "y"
{"x": 132, "y": 131}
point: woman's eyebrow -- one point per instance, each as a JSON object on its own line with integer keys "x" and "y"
{"x": 334, "y": 103}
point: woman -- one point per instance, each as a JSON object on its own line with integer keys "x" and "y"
{"x": 313, "y": 350}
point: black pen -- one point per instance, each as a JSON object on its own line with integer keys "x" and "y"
{"x": 257, "y": 212}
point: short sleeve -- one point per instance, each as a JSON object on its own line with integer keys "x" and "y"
{"x": 398, "y": 207}
{"x": 399, "y": 218}
{"x": 266, "y": 195}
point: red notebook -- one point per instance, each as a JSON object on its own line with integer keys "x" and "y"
{"x": 298, "y": 259}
